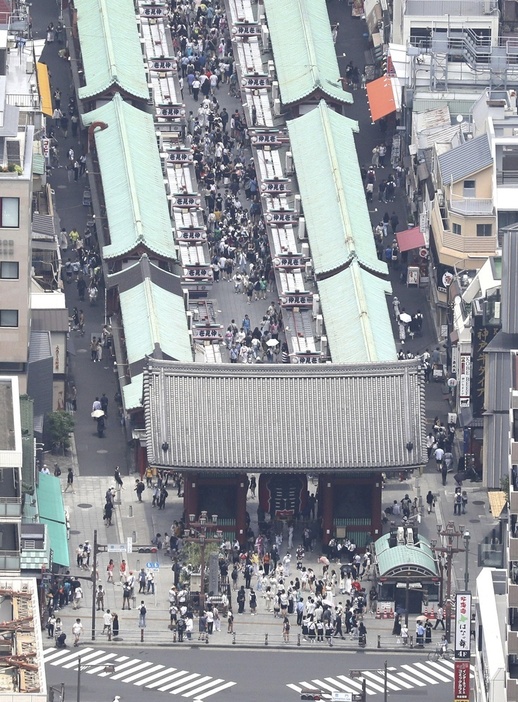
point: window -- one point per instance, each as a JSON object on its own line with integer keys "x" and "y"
{"x": 9, "y": 212}
{"x": 469, "y": 188}
{"x": 456, "y": 229}
{"x": 9, "y": 270}
{"x": 484, "y": 230}
{"x": 8, "y": 318}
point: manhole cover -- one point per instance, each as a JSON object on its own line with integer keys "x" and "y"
{"x": 74, "y": 531}
{"x": 102, "y": 451}
{"x": 474, "y": 521}
{"x": 84, "y": 505}
{"x": 478, "y": 502}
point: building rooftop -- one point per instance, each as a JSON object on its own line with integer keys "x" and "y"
{"x": 292, "y": 417}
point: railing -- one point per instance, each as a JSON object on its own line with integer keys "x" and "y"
{"x": 438, "y": 8}
{"x": 9, "y": 560}
{"x": 28, "y": 100}
{"x": 472, "y": 206}
{"x": 507, "y": 178}
{"x": 10, "y": 507}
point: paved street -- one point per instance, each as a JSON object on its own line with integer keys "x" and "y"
{"x": 209, "y": 674}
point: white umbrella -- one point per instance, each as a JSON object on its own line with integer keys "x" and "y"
{"x": 405, "y": 318}
{"x": 272, "y": 342}
{"x": 97, "y": 413}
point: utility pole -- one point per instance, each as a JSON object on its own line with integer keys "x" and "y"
{"x": 94, "y": 591}
{"x": 448, "y": 535}
{"x": 360, "y": 674}
{"x": 202, "y": 533}
{"x": 108, "y": 668}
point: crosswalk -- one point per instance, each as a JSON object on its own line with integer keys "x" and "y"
{"x": 135, "y": 671}
{"x": 405, "y": 677}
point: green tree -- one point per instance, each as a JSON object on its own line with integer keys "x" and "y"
{"x": 58, "y": 427}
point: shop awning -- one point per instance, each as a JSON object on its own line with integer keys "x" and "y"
{"x": 44, "y": 87}
{"x": 410, "y": 239}
{"x": 52, "y": 514}
{"x": 384, "y": 95}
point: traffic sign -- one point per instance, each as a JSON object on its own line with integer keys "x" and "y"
{"x": 116, "y": 548}
{"x": 153, "y": 565}
{"x": 342, "y": 696}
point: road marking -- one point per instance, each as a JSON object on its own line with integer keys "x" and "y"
{"x": 192, "y": 693}
{"x": 423, "y": 666}
{"x": 169, "y": 677}
{"x": 213, "y": 692}
{"x": 144, "y": 673}
{"x": 412, "y": 679}
{"x": 353, "y": 684}
{"x": 324, "y": 686}
{"x": 179, "y": 690}
{"x": 419, "y": 674}
{"x": 178, "y": 683}
{"x": 442, "y": 668}
{"x": 391, "y": 676}
{"x": 340, "y": 685}
{"x": 379, "y": 681}
{"x": 135, "y": 671}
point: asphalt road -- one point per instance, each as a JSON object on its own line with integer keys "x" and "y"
{"x": 147, "y": 674}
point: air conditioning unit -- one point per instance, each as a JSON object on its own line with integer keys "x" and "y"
{"x": 289, "y": 163}
{"x": 265, "y": 37}
{"x": 440, "y": 197}
{"x": 29, "y": 66}
{"x": 323, "y": 346}
{"x": 277, "y": 107}
{"x": 319, "y": 325}
{"x": 302, "y": 228}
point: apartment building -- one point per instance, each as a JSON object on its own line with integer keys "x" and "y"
{"x": 10, "y": 475}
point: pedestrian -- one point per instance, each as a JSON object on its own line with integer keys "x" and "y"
{"x": 108, "y": 513}
{"x": 107, "y": 622}
{"x": 286, "y": 630}
{"x": 74, "y": 120}
{"x": 142, "y": 615}
{"x": 70, "y": 481}
{"x": 77, "y": 630}
{"x": 126, "y": 596}
{"x": 51, "y": 623}
{"x": 139, "y": 489}
{"x": 99, "y": 598}
{"x": 63, "y": 123}
{"x": 457, "y": 501}
{"x": 430, "y": 501}
{"x": 115, "y": 625}
{"x": 439, "y": 617}
{"x": 122, "y": 571}
{"x": 109, "y": 570}
{"x": 362, "y": 635}
{"x": 104, "y": 406}
{"x": 117, "y": 473}
{"x": 241, "y": 597}
{"x": 56, "y": 116}
{"x": 230, "y": 622}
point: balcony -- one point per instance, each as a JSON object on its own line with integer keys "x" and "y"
{"x": 512, "y": 689}
{"x": 513, "y": 594}
{"x": 512, "y": 642}
{"x": 507, "y": 178}
{"x": 461, "y": 244}
{"x": 513, "y": 506}
{"x": 513, "y": 548}
{"x": 10, "y": 561}
{"x": 472, "y": 206}
{"x": 10, "y": 509}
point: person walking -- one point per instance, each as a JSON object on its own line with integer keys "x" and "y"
{"x": 439, "y": 617}
{"x": 77, "y": 630}
{"x": 70, "y": 481}
{"x": 286, "y": 630}
{"x": 142, "y": 615}
{"x": 115, "y": 625}
{"x": 117, "y": 474}
{"x": 99, "y": 598}
{"x": 430, "y": 501}
{"x": 139, "y": 489}
{"x": 107, "y": 622}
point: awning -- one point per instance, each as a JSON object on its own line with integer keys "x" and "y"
{"x": 384, "y": 95}
{"x": 52, "y": 514}
{"x": 410, "y": 239}
{"x": 497, "y": 502}
{"x": 44, "y": 87}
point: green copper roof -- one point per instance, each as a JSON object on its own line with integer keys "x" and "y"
{"x": 357, "y": 320}
{"x": 110, "y": 48}
{"x": 418, "y": 559}
{"x": 303, "y": 49}
{"x": 128, "y": 156}
{"x": 52, "y": 513}
{"x": 157, "y": 323}
{"x": 328, "y": 174}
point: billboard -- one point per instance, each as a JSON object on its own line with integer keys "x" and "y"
{"x": 462, "y": 625}
{"x": 461, "y": 681}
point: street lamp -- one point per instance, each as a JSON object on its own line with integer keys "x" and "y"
{"x": 108, "y": 668}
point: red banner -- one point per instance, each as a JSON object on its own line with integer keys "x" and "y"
{"x": 461, "y": 681}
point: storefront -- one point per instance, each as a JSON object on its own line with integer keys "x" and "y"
{"x": 407, "y": 572}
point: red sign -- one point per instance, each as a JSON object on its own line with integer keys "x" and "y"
{"x": 461, "y": 681}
